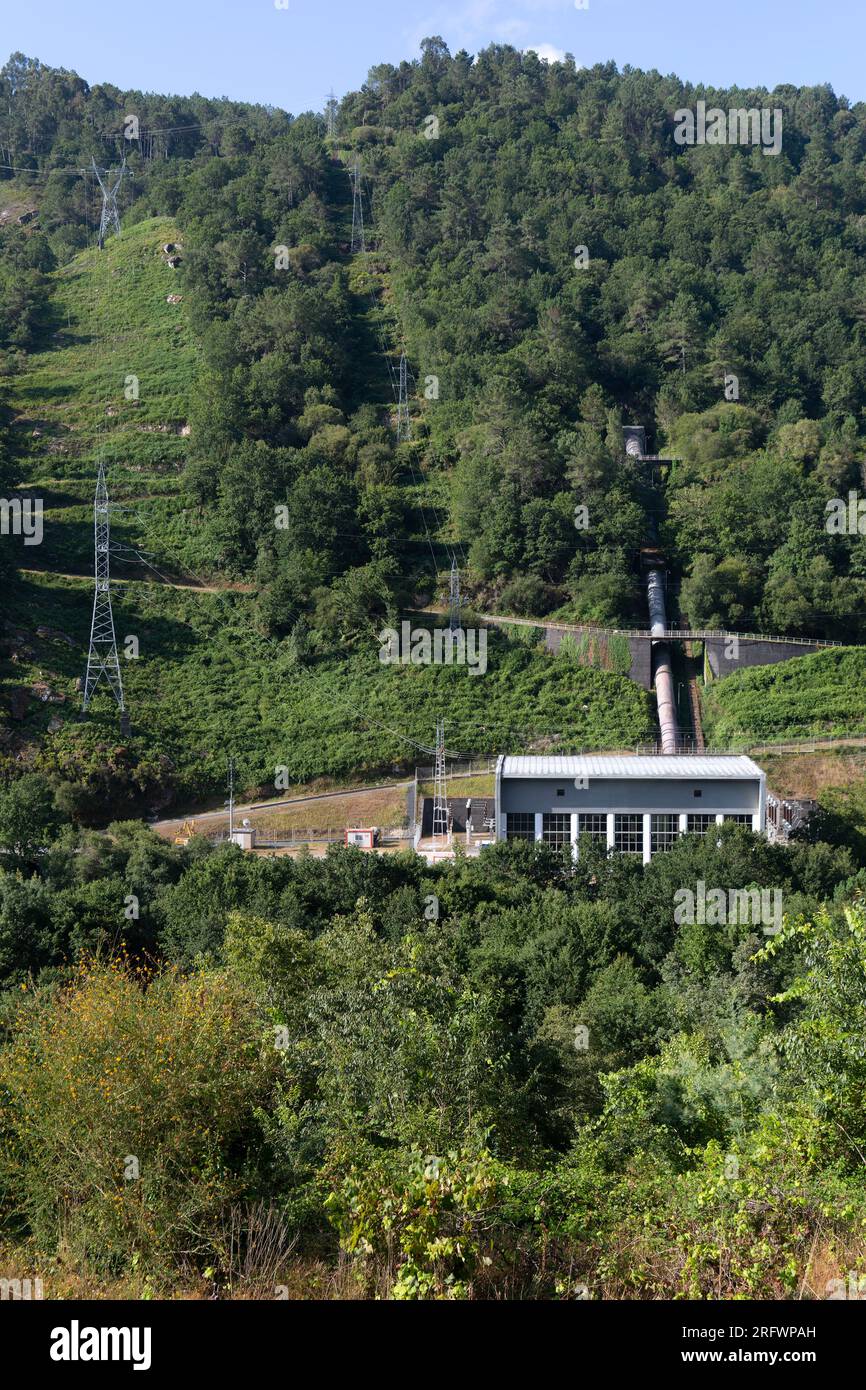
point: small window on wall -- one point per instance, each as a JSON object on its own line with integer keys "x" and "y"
{"x": 560, "y": 791}
{"x": 628, "y": 834}
{"x": 699, "y": 825}
{"x": 520, "y": 825}
{"x": 697, "y": 792}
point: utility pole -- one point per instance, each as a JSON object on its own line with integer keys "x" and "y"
{"x": 109, "y": 216}
{"x": 358, "y": 243}
{"x": 231, "y": 801}
{"x": 440, "y": 798}
{"x": 454, "y": 596}
{"x": 102, "y": 657}
{"x": 404, "y": 427}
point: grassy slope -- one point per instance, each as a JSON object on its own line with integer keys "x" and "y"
{"x": 111, "y": 320}
{"x": 821, "y": 694}
{"x": 207, "y": 682}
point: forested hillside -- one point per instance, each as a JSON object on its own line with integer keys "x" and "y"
{"x": 701, "y": 262}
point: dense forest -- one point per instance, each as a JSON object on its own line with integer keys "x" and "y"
{"x": 360, "y": 1076}
{"x": 702, "y": 264}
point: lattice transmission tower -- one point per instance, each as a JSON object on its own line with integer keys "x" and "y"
{"x": 102, "y": 657}
{"x": 440, "y": 798}
{"x": 109, "y": 217}
{"x": 358, "y": 243}
{"x": 331, "y": 113}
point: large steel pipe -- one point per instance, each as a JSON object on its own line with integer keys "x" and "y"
{"x": 662, "y": 671}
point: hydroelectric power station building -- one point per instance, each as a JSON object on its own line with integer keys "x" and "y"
{"x": 634, "y": 805}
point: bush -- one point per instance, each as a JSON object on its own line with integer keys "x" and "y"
{"x": 130, "y": 1116}
{"x": 528, "y": 597}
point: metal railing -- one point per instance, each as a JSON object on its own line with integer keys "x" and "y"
{"x": 750, "y": 743}
{"x": 682, "y": 634}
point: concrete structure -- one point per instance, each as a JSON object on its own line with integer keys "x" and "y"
{"x": 723, "y": 656}
{"x": 634, "y": 440}
{"x": 640, "y": 648}
{"x": 636, "y": 805}
{"x": 725, "y": 651}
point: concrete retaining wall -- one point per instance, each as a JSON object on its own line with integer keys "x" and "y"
{"x": 725, "y": 658}
{"x": 640, "y": 650}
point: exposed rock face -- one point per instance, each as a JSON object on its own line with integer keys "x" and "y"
{"x": 41, "y": 690}
{"x": 19, "y": 699}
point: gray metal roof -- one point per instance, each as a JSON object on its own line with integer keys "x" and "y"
{"x": 684, "y": 765}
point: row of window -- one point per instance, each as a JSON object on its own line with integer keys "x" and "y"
{"x": 627, "y": 828}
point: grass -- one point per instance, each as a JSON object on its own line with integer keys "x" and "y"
{"x": 811, "y": 774}
{"x": 384, "y": 807}
{"x": 607, "y": 651}
{"x": 208, "y": 684}
{"x": 479, "y": 785}
{"x": 111, "y": 320}
{"x": 822, "y": 694}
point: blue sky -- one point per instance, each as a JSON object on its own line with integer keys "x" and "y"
{"x": 251, "y": 50}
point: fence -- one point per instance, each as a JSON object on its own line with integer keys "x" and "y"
{"x": 751, "y": 743}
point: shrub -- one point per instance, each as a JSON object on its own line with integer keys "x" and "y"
{"x": 130, "y": 1116}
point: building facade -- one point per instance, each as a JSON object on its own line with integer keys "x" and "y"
{"x": 634, "y": 805}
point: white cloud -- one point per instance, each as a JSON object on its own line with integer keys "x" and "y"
{"x": 546, "y": 52}
{"x": 511, "y": 30}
